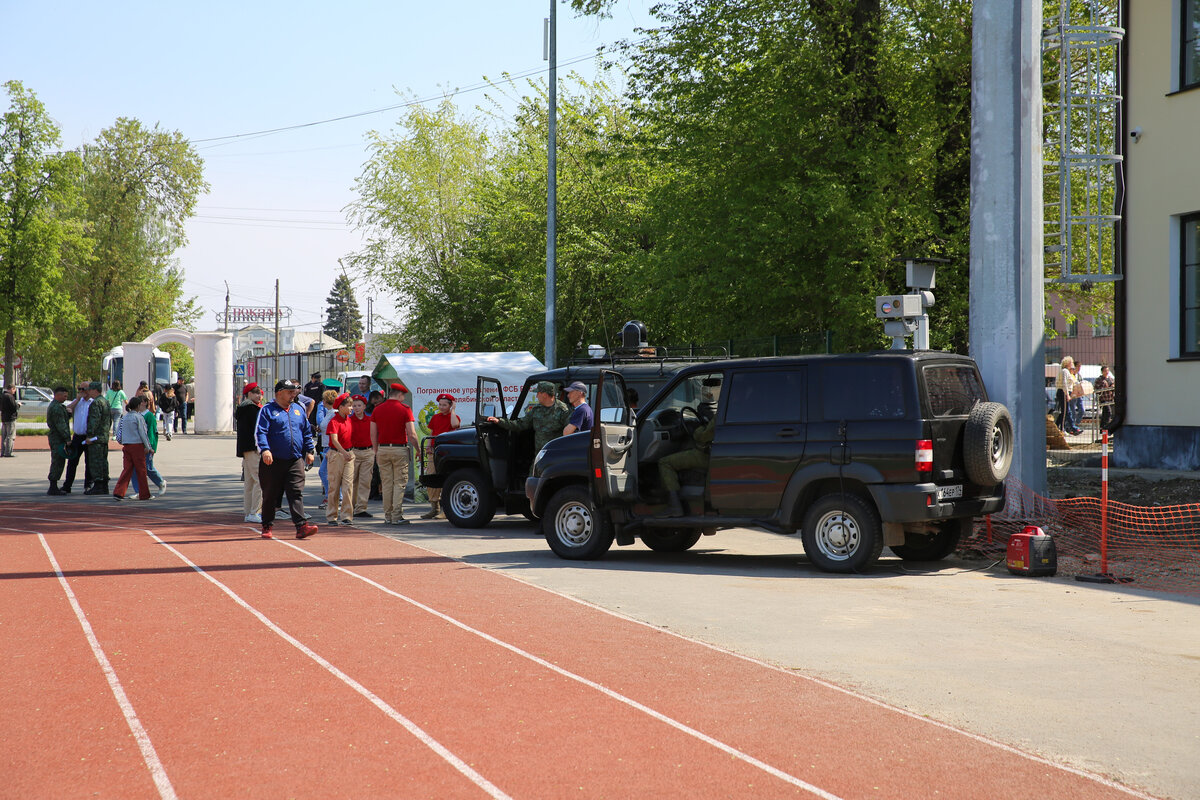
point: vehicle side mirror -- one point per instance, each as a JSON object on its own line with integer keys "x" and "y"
{"x": 611, "y": 414}
{"x": 488, "y": 410}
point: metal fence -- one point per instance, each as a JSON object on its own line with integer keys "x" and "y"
{"x": 297, "y": 366}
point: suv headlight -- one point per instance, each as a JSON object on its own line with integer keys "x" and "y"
{"x": 537, "y": 461}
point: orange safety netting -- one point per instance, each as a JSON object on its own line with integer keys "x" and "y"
{"x": 1146, "y": 547}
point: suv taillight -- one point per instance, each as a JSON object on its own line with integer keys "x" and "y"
{"x": 924, "y": 455}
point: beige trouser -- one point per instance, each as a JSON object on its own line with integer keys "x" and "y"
{"x": 393, "y": 477}
{"x": 339, "y": 469}
{"x": 364, "y": 460}
{"x": 251, "y": 490}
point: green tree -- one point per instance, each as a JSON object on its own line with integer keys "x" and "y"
{"x": 39, "y": 207}
{"x": 417, "y": 197}
{"x": 804, "y": 147}
{"x": 141, "y": 186}
{"x": 342, "y": 318}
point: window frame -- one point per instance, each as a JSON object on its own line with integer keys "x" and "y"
{"x": 1188, "y": 349}
{"x": 1187, "y": 42}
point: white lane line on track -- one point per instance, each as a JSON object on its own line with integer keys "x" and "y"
{"x": 483, "y": 783}
{"x": 612, "y": 693}
{"x": 379, "y": 703}
{"x": 1082, "y": 773}
{"x": 157, "y": 772}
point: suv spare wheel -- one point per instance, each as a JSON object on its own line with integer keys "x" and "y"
{"x": 988, "y": 444}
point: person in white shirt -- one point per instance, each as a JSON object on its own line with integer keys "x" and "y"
{"x": 75, "y": 450}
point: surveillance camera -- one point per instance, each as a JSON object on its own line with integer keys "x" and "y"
{"x": 1136, "y": 134}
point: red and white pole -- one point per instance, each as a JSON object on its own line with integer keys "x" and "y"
{"x": 1104, "y": 503}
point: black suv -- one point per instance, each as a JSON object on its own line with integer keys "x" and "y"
{"x": 482, "y": 469}
{"x": 896, "y": 448}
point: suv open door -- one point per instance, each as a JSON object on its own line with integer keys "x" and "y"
{"x": 494, "y": 442}
{"x": 613, "y": 451}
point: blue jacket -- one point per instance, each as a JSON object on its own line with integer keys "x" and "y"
{"x": 285, "y": 432}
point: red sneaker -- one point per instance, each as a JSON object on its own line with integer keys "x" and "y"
{"x": 266, "y": 534}
{"x": 305, "y": 530}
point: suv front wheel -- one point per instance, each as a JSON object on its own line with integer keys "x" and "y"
{"x": 467, "y": 499}
{"x": 842, "y": 533}
{"x": 572, "y": 528}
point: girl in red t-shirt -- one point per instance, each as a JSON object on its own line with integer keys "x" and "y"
{"x": 444, "y": 420}
{"x": 341, "y": 464}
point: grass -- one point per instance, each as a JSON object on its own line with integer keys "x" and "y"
{"x": 33, "y": 431}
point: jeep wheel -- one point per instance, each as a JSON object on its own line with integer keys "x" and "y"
{"x": 842, "y": 533}
{"x": 670, "y": 540}
{"x": 571, "y": 527}
{"x": 988, "y": 444}
{"x": 467, "y": 499}
{"x": 933, "y": 546}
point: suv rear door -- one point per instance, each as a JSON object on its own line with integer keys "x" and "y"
{"x": 760, "y": 438}
{"x": 612, "y": 454}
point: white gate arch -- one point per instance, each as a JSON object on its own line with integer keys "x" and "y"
{"x": 213, "y": 354}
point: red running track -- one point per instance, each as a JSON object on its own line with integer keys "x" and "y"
{"x": 152, "y": 656}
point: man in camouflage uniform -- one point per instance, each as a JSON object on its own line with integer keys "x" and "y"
{"x": 547, "y": 418}
{"x": 58, "y": 420}
{"x": 696, "y": 456}
{"x": 99, "y": 422}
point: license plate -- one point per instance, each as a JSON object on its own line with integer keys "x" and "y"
{"x": 949, "y": 492}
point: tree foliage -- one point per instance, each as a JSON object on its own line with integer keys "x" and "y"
{"x": 342, "y": 318}
{"x": 39, "y": 224}
{"x": 765, "y": 168}
{"x": 141, "y": 185}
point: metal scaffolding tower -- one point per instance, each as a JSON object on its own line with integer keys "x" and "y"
{"x": 1083, "y": 167}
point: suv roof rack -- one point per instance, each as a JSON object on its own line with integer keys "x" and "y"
{"x": 650, "y": 355}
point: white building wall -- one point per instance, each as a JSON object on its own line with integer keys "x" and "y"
{"x": 1163, "y": 180}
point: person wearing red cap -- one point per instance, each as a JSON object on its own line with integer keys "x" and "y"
{"x": 444, "y": 420}
{"x": 340, "y": 470}
{"x": 364, "y": 454}
{"x": 393, "y": 431}
{"x": 245, "y": 420}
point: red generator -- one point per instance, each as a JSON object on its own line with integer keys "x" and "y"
{"x": 1031, "y": 552}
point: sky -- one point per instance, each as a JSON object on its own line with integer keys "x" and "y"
{"x": 223, "y": 69}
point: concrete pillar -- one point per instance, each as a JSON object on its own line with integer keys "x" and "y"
{"x": 1007, "y": 301}
{"x": 138, "y": 365}
{"x": 213, "y": 354}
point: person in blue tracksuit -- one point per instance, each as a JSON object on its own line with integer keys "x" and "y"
{"x": 284, "y": 439}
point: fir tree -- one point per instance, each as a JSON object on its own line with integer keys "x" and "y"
{"x": 342, "y": 318}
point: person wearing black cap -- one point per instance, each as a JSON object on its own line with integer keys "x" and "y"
{"x": 314, "y": 388}
{"x": 284, "y": 440}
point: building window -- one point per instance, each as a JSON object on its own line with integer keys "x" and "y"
{"x": 1189, "y": 44}
{"x": 1073, "y": 328}
{"x": 1189, "y": 269}
{"x": 1102, "y": 325}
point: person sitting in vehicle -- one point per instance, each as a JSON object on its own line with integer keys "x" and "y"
{"x": 696, "y": 455}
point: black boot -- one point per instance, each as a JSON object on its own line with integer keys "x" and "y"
{"x": 674, "y": 506}
{"x": 98, "y": 487}
{"x": 54, "y": 490}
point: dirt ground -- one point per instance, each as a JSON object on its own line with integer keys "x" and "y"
{"x": 1123, "y": 487}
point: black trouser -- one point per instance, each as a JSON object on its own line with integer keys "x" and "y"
{"x": 77, "y": 450}
{"x": 283, "y": 475}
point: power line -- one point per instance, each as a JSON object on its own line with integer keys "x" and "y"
{"x": 406, "y": 104}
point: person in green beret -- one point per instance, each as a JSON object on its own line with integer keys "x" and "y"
{"x": 547, "y": 419}
{"x": 99, "y": 423}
